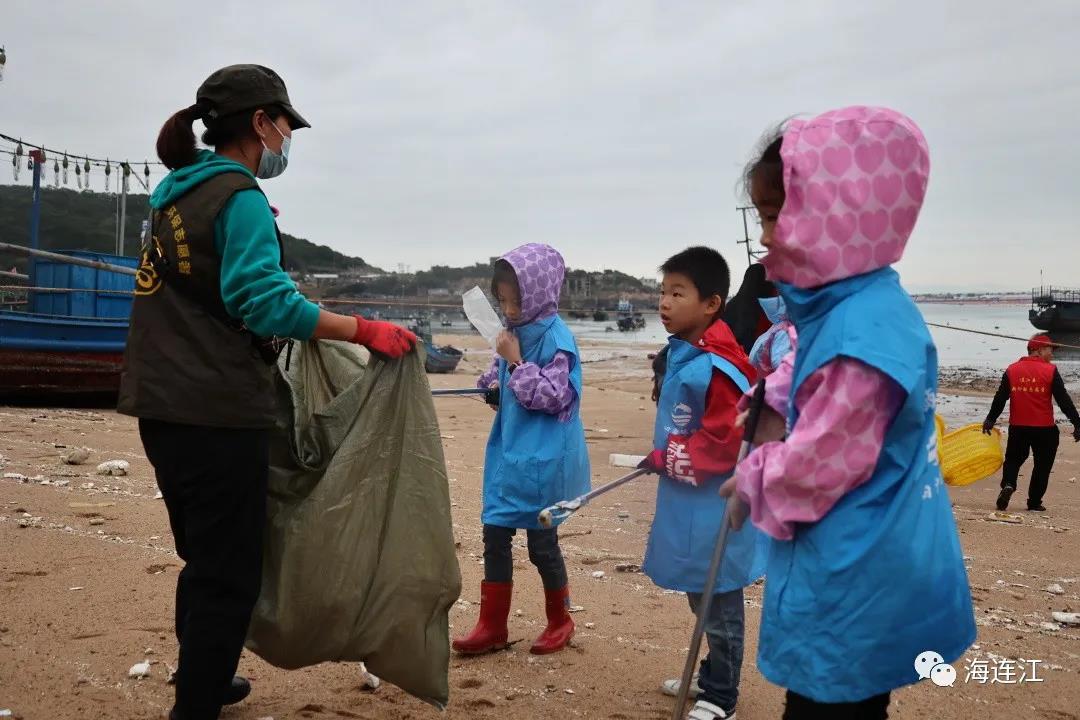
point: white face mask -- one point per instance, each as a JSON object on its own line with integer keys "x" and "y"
{"x": 272, "y": 164}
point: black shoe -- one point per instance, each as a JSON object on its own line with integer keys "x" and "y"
{"x": 237, "y": 691}
{"x": 1003, "y": 497}
{"x": 1036, "y": 508}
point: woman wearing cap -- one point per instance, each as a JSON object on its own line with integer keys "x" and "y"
{"x": 211, "y": 299}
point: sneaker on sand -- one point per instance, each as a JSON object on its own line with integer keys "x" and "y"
{"x": 707, "y": 711}
{"x": 1037, "y": 508}
{"x": 1003, "y": 497}
{"x": 671, "y": 687}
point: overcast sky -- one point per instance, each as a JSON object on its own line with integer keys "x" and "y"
{"x": 447, "y": 132}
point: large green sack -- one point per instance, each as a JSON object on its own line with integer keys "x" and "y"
{"x": 359, "y": 549}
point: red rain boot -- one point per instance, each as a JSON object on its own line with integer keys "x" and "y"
{"x": 560, "y": 627}
{"x": 490, "y": 632}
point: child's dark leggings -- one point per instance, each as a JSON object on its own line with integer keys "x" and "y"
{"x": 544, "y": 553}
{"x": 799, "y": 707}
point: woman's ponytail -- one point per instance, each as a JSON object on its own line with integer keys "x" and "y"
{"x": 176, "y": 141}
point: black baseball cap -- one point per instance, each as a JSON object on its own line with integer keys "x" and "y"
{"x": 236, "y": 88}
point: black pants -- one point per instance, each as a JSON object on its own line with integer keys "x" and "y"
{"x": 1040, "y": 442}
{"x": 544, "y": 553}
{"x": 799, "y": 707}
{"x": 213, "y": 481}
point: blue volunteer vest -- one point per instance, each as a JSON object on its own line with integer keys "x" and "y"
{"x": 533, "y": 460}
{"x": 854, "y": 598}
{"x": 687, "y": 520}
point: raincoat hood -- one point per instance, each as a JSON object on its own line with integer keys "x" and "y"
{"x": 774, "y": 308}
{"x": 181, "y": 181}
{"x": 540, "y": 270}
{"x": 719, "y": 340}
{"x": 855, "y": 180}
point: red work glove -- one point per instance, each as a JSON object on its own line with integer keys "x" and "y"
{"x": 653, "y": 462}
{"x": 673, "y": 461}
{"x": 384, "y": 338}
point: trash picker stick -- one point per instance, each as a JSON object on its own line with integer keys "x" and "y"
{"x": 749, "y": 430}
{"x": 466, "y": 391}
{"x": 566, "y": 508}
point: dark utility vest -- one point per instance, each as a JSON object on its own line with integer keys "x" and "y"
{"x": 187, "y": 361}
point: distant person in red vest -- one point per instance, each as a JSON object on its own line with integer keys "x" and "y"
{"x": 1028, "y": 385}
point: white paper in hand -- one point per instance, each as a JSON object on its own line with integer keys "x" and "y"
{"x": 482, "y": 315}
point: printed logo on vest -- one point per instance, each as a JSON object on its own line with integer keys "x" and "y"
{"x": 682, "y": 415}
{"x": 147, "y": 280}
{"x": 677, "y": 462}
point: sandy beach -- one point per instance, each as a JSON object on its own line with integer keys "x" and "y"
{"x": 87, "y": 574}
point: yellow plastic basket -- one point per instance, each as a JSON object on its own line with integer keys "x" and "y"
{"x": 968, "y": 455}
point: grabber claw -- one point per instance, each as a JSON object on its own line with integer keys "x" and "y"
{"x": 560, "y": 511}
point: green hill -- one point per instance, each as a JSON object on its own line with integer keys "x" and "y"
{"x": 72, "y": 220}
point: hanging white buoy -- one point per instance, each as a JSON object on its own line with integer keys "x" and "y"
{"x": 3, "y": 61}
{"x": 78, "y": 176}
{"x": 108, "y": 175}
{"x": 16, "y": 160}
{"x": 65, "y": 167}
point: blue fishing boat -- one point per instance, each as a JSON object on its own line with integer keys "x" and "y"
{"x": 629, "y": 320}
{"x": 69, "y": 337}
{"x": 438, "y": 360}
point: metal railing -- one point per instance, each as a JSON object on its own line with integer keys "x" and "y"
{"x": 1049, "y": 295}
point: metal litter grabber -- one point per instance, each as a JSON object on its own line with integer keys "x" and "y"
{"x": 749, "y": 430}
{"x": 564, "y": 509}
{"x": 490, "y": 395}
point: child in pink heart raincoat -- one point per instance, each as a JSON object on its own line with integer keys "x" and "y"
{"x": 865, "y": 589}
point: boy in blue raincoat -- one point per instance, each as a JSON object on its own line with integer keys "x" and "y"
{"x": 536, "y": 454}
{"x": 695, "y": 446}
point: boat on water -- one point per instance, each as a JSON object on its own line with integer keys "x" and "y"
{"x": 69, "y": 337}
{"x": 1055, "y": 309}
{"x": 439, "y": 359}
{"x": 628, "y": 320}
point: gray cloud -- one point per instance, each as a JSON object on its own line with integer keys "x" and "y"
{"x": 616, "y": 131}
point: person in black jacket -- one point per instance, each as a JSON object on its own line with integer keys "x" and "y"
{"x": 743, "y": 312}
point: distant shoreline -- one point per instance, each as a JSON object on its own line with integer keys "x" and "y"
{"x": 930, "y": 299}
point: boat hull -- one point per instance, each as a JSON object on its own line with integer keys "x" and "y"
{"x": 29, "y": 372}
{"x": 49, "y": 354}
{"x": 441, "y": 360}
{"x": 1057, "y": 318}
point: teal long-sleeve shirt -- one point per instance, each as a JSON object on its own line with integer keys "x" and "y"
{"x": 254, "y": 287}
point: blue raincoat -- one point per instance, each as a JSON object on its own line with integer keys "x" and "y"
{"x": 534, "y": 459}
{"x": 773, "y": 345}
{"x": 855, "y": 597}
{"x": 687, "y": 520}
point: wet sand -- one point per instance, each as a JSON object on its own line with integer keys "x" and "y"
{"x": 81, "y": 602}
